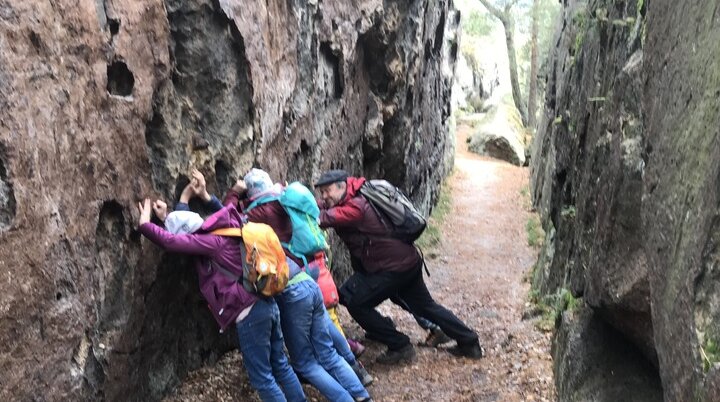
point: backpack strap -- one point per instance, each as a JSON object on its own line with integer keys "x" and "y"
{"x": 224, "y": 271}
{"x": 228, "y": 232}
{"x": 427, "y": 271}
{"x": 234, "y": 232}
{"x": 298, "y": 255}
{"x": 262, "y": 200}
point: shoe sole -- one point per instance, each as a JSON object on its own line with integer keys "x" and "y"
{"x": 460, "y": 354}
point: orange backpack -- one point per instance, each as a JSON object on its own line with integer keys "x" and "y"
{"x": 265, "y": 269}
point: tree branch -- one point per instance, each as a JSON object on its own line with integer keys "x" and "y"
{"x": 493, "y": 10}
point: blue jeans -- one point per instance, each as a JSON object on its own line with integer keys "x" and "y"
{"x": 261, "y": 345}
{"x": 339, "y": 341}
{"x": 305, "y": 323}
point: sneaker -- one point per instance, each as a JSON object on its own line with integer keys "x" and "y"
{"x": 362, "y": 374}
{"x": 406, "y": 354}
{"x": 471, "y": 351}
{"x": 362, "y": 399}
{"x": 435, "y": 338}
{"x": 356, "y": 347}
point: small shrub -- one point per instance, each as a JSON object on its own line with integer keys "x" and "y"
{"x": 535, "y": 234}
{"x": 568, "y": 212}
{"x": 553, "y": 306}
{"x": 432, "y": 236}
{"x": 710, "y": 351}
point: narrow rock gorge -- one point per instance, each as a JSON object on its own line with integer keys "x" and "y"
{"x": 625, "y": 175}
{"x": 103, "y": 102}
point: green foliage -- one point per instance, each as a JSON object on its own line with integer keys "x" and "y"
{"x": 525, "y": 191}
{"x": 548, "y": 15}
{"x": 568, "y": 212}
{"x": 640, "y": 4}
{"x": 477, "y": 24}
{"x": 552, "y": 307}
{"x": 710, "y": 351}
{"x": 535, "y": 234}
{"x": 432, "y": 236}
{"x": 580, "y": 24}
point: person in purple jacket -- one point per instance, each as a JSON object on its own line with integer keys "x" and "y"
{"x": 257, "y": 319}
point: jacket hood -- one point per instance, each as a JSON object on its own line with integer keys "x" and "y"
{"x": 227, "y": 217}
{"x": 353, "y": 186}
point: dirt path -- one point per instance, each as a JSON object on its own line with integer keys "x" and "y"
{"x": 477, "y": 273}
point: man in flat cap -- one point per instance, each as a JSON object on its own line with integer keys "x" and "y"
{"x": 385, "y": 267}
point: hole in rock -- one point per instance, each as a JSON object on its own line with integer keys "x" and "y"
{"x": 120, "y": 80}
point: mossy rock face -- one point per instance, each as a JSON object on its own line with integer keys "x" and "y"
{"x": 586, "y": 168}
{"x": 625, "y": 169}
{"x": 680, "y": 208}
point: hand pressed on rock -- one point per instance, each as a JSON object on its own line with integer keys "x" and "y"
{"x": 199, "y": 186}
{"x": 145, "y": 211}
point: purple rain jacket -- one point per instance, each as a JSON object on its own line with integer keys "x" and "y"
{"x": 225, "y": 296}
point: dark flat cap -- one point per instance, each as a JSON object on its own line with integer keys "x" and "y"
{"x": 332, "y": 176}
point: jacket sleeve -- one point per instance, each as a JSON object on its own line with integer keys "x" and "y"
{"x": 348, "y": 214}
{"x": 194, "y": 244}
{"x": 214, "y": 204}
{"x": 231, "y": 198}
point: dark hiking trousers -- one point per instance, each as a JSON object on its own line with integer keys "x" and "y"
{"x": 423, "y": 322}
{"x": 362, "y": 292}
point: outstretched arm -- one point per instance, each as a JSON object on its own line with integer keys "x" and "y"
{"x": 194, "y": 244}
{"x": 197, "y": 188}
{"x": 348, "y": 214}
{"x": 236, "y": 193}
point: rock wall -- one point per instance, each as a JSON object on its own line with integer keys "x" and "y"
{"x": 625, "y": 175}
{"x": 103, "y": 102}
{"x": 681, "y": 197}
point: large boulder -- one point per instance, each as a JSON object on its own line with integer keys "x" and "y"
{"x": 500, "y": 135}
{"x": 103, "y": 102}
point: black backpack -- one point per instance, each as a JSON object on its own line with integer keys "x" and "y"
{"x": 395, "y": 210}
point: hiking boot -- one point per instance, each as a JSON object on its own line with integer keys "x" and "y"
{"x": 356, "y": 347}
{"x": 471, "y": 351}
{"x": 404, "y": 354}
{"x": 435, "y": 338}
{"x": 361, "y": 399}
{"x": 362, "y": 374}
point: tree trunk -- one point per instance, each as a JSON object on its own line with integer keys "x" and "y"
{"x": 532, "y": 85}
{"x": 509, "y": 26}
{"x": 505, "y": 16}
